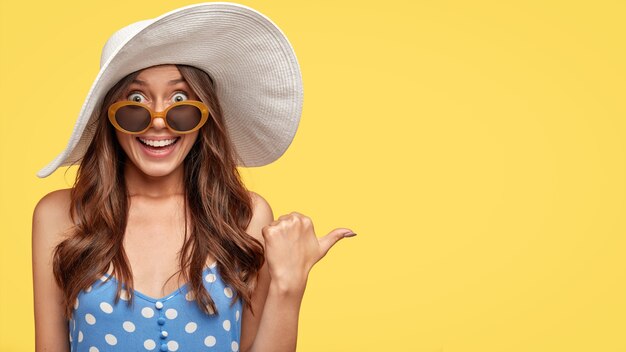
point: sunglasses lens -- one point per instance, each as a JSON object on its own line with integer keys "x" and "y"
{"x": 184, "y": 117}
{"x": 133, "y": 118}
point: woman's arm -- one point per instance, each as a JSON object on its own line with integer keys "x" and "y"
{"x": 50, "y": 219}
{"x": 292, "y": 248}
{"x": 278, "y": 330}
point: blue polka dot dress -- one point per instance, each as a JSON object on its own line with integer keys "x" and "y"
{"x": 171, "y": 323}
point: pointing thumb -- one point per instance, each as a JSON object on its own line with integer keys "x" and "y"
{"x": 332, "y": 237}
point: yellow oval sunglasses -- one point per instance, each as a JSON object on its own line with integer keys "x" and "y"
{"x": 181, "y": 117}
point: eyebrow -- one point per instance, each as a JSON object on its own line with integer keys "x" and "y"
{"x": 171, "y": 83}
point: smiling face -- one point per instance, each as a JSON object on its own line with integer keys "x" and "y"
{"x": 158, "y": 151}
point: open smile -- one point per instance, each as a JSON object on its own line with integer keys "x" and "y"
{"x": 160, "y": 147}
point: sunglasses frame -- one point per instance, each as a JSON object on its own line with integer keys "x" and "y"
{"x": 204, "y": 110}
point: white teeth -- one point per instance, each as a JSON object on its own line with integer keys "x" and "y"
{"x": 161, "y": 143}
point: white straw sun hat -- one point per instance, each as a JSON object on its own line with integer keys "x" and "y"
{"x": 255, "y": 70}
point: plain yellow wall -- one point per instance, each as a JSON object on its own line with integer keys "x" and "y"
{"x": 476, "y": 147}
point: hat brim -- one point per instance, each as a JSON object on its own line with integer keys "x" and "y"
{"x": 255, "y": 69}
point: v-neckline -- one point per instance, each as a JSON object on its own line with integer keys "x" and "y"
{"x": 166, "y": 297}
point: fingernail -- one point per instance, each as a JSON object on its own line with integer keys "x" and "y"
{"x": 349, "y": 234}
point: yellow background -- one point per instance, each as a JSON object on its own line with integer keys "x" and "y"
{"x": 476, "y": 147}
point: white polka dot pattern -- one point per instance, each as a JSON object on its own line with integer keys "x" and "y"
{"x": 210, "y": 341}
{"x": 149, "y": 344}
{"x": 172, "y": 345}
{"x": 191, "y": 327}
{"x": 189, "y": 296}
{"x": 173, "y": 323}
{"x": 210, "y": 278}
{"x": 171, "y": 313}
{"x": 124, "y": 295}
{"x": 128, "y": 326}
{"x": 147, "y": 312}
{"x": 110, "y": 339}
{"x": 107, "y": 308}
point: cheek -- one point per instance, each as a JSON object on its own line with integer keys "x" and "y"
{"x": 124, "y": 140}
{"x": 190, "y": 140}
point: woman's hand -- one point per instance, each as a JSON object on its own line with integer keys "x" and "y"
{"x": 292, "y": 248}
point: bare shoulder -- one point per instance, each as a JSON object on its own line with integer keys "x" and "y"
{"x": 55, "y": 199}
{"x": 51, "y": 216}
{"x": 262, "y": 216}
{"x": 51, "y": 222}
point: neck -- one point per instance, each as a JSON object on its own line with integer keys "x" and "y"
{"x": 141, "y": 184}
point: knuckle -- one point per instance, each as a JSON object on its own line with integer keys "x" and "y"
{"x": 269, "y": 230}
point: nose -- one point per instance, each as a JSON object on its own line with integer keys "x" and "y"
{"x": 159, "y": 122}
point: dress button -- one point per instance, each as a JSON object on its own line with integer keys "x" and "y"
{"x": 163, "y": 334}
{"x": 158, "y": 304}
{"x": 163, "y": 347}
{"x": 161, "y": 321}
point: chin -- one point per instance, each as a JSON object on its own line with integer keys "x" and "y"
{"x": 157, "y": 171}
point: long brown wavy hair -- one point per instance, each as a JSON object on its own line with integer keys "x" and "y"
{"x": 220, "y": 209}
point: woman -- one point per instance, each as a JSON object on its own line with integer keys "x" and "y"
{"x": 158, "y": 245}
